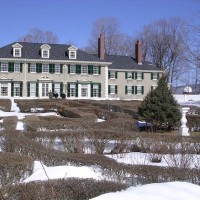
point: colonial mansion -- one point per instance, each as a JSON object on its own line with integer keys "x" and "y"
{"x": 34, "y": 69}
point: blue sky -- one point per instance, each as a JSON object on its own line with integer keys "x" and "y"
{"x": 72, "y": 20}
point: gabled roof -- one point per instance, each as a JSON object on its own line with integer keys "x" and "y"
{"x": 127, "y": 62}
{"x": 57, "y": 52}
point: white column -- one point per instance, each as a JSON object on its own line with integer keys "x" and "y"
{"x": 183, "y": 130}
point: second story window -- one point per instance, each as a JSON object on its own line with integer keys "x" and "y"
{"x": 17, "y": 67}
{"x": 72, "y": 69}
{"x": 57, "y": 69}
{"x": 96, "y": 70}
{"x": 112, "y": 74}
{"x": 139, "y": 76}
{"x": 45, "y": 68}
{"x": 84, "y": 69}
{"x": 33, "y": 68}
{"x": 4, "y": 67}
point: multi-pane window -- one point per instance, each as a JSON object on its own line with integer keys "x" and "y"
{"x": 72, "y": 55}
{"x": 84, "y": 90}
{"x": 139, "y": 90}
{"x": 129, "y": 89}
{"x": 4, "y": 89}
{"x": 57, "y": 69}
{"x": 84, "y": 69}
{"x": 17, "y": 67}
{"x": 57, "y": 88}
{"x": 17, "y": 52}
{"x": 4, "y": 67}
{"x": 154, "y": 76}
{"x": 129, "y": 75}
{"x": 112, "y": 89}
{"x": 95, "y": 91}
{"x": 45, "y": 53}
{"x": 72, "y": 90}
{"x": 95, "y": 70}
{"x": 32, "y": 89}
{"x": 17, "y": 89}
{"x": 72, "y": 69}
{"x": 112, "y": 74}
{"x": 33, "y": 68}
{"x": 45, "y": 68}
{"x": 139, "y": 76}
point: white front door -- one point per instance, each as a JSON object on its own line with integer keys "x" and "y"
{"x": 84, "y": 90}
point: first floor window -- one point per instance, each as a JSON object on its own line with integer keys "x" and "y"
{"x": 139, "y": 90}
{"x": 4, "y": 89}
{"x": 84, "y": 69}
{"x": 4, "y": 67}
{"x": 72, "y": 69}
{"x": 84, "y": 90}
{"x": 57, "y": 69}
{"x": 57, "y": 88}
{"x": 32, "y": 89}
{"x": 45, "y": 68}
{"x": 33, "y": 68}
{"x": 95, "y": 91}
{"x": 129, "y": 89}
{"x": 17, "y": 89}
{"x": 72, "y": 90}
{"x": 112, "y": 89}
{"x": 16, "y": 67}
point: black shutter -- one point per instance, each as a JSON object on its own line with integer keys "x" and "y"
{"x": 76, "y": 89}
{"x": 53, "y": 87}
{"x": 51, "y": 68}
{"x": 37, "y": 89}
{"x": 21, "y": 65}
{"x": 132, "y": 89}
{"x": 68, "y": 89}
{"x": 151, "y": 76}
{"x": 109, "y": 89}
{"x": 78, "y": 69}
{"x": 126, "y": 89}
{"x": 39, "y": 67}
{"x": 11, "y": 67}
{"x": 90, "y": 69}
{"x": 29, "y": 67}
{"x": 133, "y": 75}
{"x": 12, "y": 89}
{"x": 68, "y": 69}
{"x": 61, "y": 88}
{"x": 135, "y": 89}
{"x": 142, "y": 89}
{"x": 61, "y": 68}
{"x": 99, "y": 89}
{"x": 28, "y": 89}
{"x": 126, "y": 75}
{"x": 142, "y": 75}
{"x": 21, "y": 88}
{"x": 115, "y": 89}
{"x": 116, "y": 75}
{"x": 99, "y": 70}
{"x": 91, "y": 90}
{"x": 158, "y": 76}
{"x": 108, "y": 74}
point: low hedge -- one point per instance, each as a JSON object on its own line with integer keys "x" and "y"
{"x": 14, "y": 167}
{"x": 5, "y": 105}
{"x": 61, "y": 189}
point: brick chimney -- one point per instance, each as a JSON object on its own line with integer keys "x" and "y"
{"x": 101, "y": 47}
{"x": 138, "y": 52}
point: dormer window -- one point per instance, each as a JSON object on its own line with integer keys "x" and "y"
{"x": 17, "y": 50}
{"x": 72, "y": 52}
{"x": 45, "y": 49}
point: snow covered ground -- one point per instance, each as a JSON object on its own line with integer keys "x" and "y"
{"x": 154, "y": 191}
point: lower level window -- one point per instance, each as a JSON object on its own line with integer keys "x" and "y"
{"x": 129, "y": 89}
{"x": 72, "y": 90}
{"x": 95, "y": 90}
{"x": 32, "y": 89}
{"x": 4, "y": 89}
{"x": 84, "y": 90}
{"x": 45, "y": 89}
{"x": 16, "y": 89}
{"x": 139, "y": 89}
{"x": 112, "y": 89}
{"x": 57, "y": 88}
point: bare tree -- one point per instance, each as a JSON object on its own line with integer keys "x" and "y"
{"x": 163, "y": 45}
{"x": 116, "y": 43}
{"x": 39, "y": 36}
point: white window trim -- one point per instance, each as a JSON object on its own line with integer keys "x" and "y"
{"x": 82, "y": 71}
{"x": 155, "y": 74}
{"x": 70, "y": 55}
{"x": 114, "y": 89}
{"x": 6, "y": 65}
{"x": 14, "y": 52}
{"x": 137, "y": 89}
{"x": 43, "y": 55}
{"x": 129, "y": 86}
{"x": 140, "y": 78}
{"x": 43, "y": 68}
{"x": 34, "y": 67}
{"x": 112, "y": 72}
{"x": 58, "y": 67}
{"x": 129, "y": 73}
{"x": 15, "y": 67}
{"x": 96, "y": 69}
{"x": 74, "y": 69}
